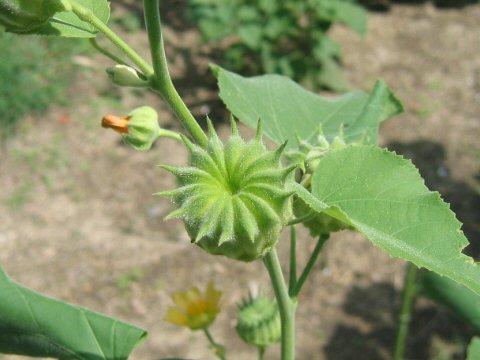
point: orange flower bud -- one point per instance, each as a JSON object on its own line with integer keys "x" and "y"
{"x": 117, "y": 123}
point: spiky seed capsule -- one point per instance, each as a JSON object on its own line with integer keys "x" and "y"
{"x": 232, "y": 197}
{"x": 258, "y": 321}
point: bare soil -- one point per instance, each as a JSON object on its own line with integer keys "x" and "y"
{"x": 79, "y": 222}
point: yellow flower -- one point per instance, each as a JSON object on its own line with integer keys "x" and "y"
{"x": 193, "y": 309}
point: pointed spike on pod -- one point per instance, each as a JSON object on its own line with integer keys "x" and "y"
{"x": 190, "y": 146}
{"x": 211, "y": 128}
{"x": 202, "y": 232}
{"x": 288, "y": 170}
{"x": 176, "y": 214}
{"x": 171, "y": 169}
{"x": 259, "y": 133}
{"x": 167, "y": 193}
{"x": 279, "y": 151}
{"x": 233, "y": 125}
{"x": 226, "y": 236}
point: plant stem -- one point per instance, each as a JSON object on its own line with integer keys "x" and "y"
{"x": 219, "y": 350}
{"x": 261, "y": 352}
{"x": 86, "y": 15}
{"x": 409, "y": 290}
{"x": 162, "y": 81}
{"x": 285, "y": 305}
{"x": 100, "y": 49}
{"x": 292, "y": 281}
{"x": 311, "y": 262}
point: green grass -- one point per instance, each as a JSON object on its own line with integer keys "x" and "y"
{"x": 29, "y": 75}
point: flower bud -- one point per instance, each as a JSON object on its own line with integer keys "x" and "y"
{"x": 20, "y": 16}
{"x": 124, "y": 75}
{"x": 139, "y": 129}
{"x": 258, "y": 321}
{"x": 233, "y": 198}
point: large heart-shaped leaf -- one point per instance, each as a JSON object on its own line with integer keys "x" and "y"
{"x": 67, "y": 24}
{"x": 286, "y": 109}
{"x": 383, "y": 196}
{"x": 35, "y": 325}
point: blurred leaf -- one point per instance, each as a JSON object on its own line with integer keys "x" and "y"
{"x": 331, "y": 75}
{"x": 350, "y": 14}
{"x": 384, "y": 197}
{"x": 456, "y": 297}
{"x": 34, "y": 325}
{"x": 67, "y": 24}
{"x": 473, "y": 352}
{"x": 287, "y": 109}
{"x": 251, "y": 34}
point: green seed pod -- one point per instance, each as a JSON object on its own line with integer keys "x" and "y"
{"x": 23, "y": 16}
{"x": 258, "y": 321}
{"x": 308, "y": 157}
{"x": 233, "y": 198}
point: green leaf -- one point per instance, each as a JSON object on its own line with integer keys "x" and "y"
{"x": 473, "y": 352}
{"x": 383, "y": 196}
{"x": 35, "y": 325}
{"x": 462, "y": 301}
{"x": 286, "y": 108}
{"x": 350, "y": 14}
{"x": 67, "y": 24}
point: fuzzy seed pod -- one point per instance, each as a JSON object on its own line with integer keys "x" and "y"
{"x": 308, "y": 156}
{"x": 258, "y": 321}
{"x": 20, "y": 16}
{"x": 232, "y": 197}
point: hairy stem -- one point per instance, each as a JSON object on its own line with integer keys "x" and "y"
{"x": 409, "y": 290}
{"x": 285, "y": 305}
{"x": 311, "y": 262}
{"x": 86, "y": 15}
{"x": 292, "y": 281}
{"x": 162, "y": 81}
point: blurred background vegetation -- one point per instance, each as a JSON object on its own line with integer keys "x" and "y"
{"x": 29, "y": 75}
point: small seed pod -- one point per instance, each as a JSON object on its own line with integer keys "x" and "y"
{"x": 308, "y": 157}
{"x": 20, "y": 16}
{"x": 232, "y": 197}
{"x": 258, "y": 321}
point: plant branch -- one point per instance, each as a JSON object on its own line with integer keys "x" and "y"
{"x": 170, "y": 134}
{"x": 409, "y": 291}
{"x": 285, "y": 304}
{"x": 311, "y": 262}
{"x": 162, "y": 81}
{"x": 219, "y": 350}
{"x": 86, "y": 15}
{"x": 102, "y": 50}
